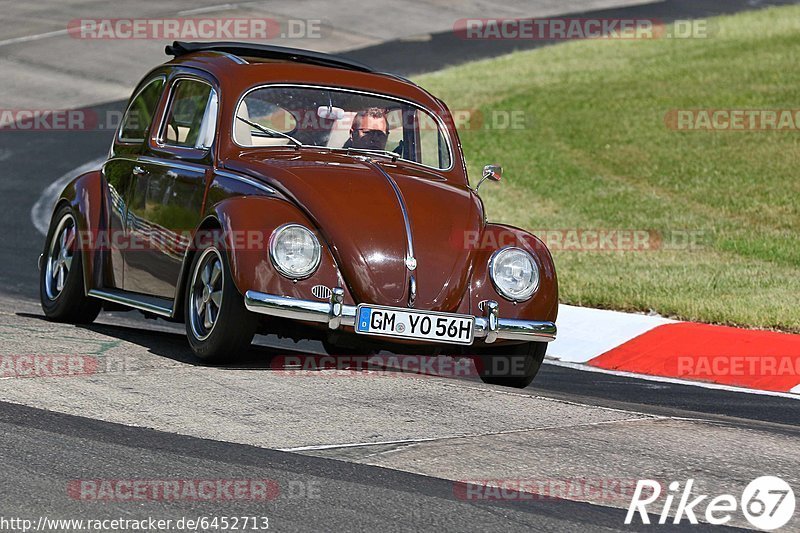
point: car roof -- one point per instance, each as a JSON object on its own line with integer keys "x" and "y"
{"x": 266, "y": 51}
{"x": 239, "y": 66}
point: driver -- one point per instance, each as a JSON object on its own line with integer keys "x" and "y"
{"x": 370, "y": 130}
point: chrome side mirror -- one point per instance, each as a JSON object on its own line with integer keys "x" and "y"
{"x": 490, "y": 172}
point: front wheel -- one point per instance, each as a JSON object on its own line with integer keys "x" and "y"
{"x": 511, "y": 366}
{"x": 61, "y": 286}
{"x": 218, "y": 325}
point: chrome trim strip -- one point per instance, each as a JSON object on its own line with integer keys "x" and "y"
{"x": 208, "y": 125}
{"x": 131, "y": 301}
{"x": 244, "y": 179}
{"x": 437, "y": 118}
{"x": 336, "y": 314}
{"x": 191, "y": 167}
{"x": 410, "y": 260}
{"x": 188, "y": 167}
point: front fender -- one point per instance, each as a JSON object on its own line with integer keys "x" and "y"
{"x": 543, "y": 305}
{"x": 248, "y": 223}
{"x": 85, "y": 194}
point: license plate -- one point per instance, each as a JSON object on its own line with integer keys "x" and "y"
{"x": 409, "y": 324}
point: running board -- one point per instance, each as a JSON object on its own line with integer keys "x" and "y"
{"x": 142, "y": 302}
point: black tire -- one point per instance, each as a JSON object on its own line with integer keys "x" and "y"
{"x": 232, "y": 325}
{"x": 511, "y": 366}
{"x": 61, "y": 287}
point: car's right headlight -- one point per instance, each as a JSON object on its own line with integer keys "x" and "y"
{"x": 295, "y": 251}
{"x": 514, "y": 273}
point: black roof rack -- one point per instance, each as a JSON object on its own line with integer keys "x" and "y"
{"x": 266, "y": 51}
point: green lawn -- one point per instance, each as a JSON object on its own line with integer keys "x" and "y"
{"x": 596, "y": 152}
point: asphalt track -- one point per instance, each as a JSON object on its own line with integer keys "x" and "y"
{"x": 357, "y": 497}
{"x": 381, "y": 453}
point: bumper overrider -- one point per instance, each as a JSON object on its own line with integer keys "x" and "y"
{"x": 489, "y": 327}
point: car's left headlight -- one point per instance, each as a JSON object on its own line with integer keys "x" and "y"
{"x": 514, "y": 273}
{"x": 295, "y": 251}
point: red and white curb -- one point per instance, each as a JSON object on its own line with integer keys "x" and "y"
{"x": 718, "y": 356}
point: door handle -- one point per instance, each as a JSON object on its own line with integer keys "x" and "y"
{"x": 171, "y": 174}
{"x": 138, "y": 171}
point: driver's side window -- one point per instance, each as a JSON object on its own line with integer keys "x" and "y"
{"x": 394, "y": 118}
{"x": 191, "y": 114}
{"x": 140, "y": 113}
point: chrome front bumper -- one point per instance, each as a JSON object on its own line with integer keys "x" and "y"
{"x": 336, "y": 314}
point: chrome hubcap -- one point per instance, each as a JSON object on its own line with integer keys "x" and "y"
{"x": 205, "y": 298}
{"x": 59, "y": 257}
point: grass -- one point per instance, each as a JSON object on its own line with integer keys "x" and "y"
{"x": 596, "y": 152}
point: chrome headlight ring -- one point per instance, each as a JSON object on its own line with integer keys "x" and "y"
{"x": 514, "y": 273}
{"x": 294, "y": 251}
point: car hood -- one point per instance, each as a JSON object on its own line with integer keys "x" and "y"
{"x": 357, "y": 210}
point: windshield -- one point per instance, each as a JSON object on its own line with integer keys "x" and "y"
{"x": 340, "y": 120}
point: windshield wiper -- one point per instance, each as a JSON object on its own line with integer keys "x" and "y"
{"x": 386, "y": 153}
{"x": 271, "y": 132}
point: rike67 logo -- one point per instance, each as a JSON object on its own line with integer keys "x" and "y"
{"x": 767, "y": 503}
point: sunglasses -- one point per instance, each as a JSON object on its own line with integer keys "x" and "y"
{"x": 373, "y": 133}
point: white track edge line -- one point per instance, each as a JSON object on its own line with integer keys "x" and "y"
{"x": 675, "y": 381}
{"x": 467, "y": 435}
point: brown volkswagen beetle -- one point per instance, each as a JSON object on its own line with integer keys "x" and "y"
{"x": 255, "y": 188}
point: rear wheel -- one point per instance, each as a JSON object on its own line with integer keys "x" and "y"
{"x": 218, "y": 325}
{"x": 511, "y": 366}
{"x": 61, "y": 286}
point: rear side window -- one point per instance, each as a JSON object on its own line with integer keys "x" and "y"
{"x": 185, "y": 126}
{"x": 140, "y": 113}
